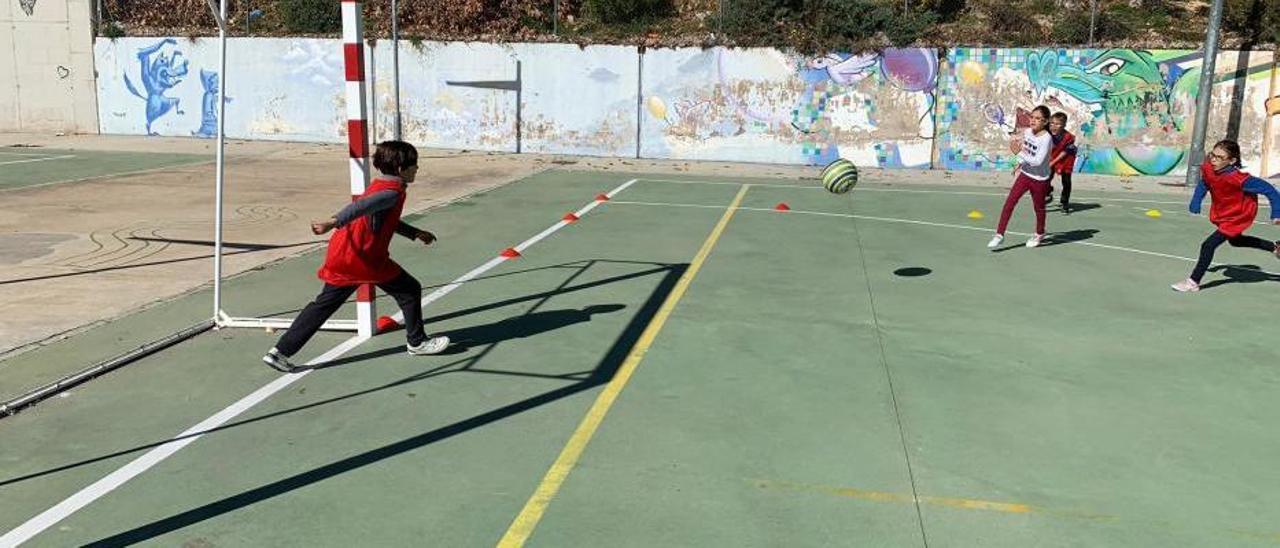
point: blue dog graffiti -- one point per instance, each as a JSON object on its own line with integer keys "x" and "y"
{"x": 159, "y": 75}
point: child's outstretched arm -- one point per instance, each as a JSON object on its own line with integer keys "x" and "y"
{"x": 1254, "y": 185}
{"x": 1197, "y": 197}
{"x": 409, "y": 231}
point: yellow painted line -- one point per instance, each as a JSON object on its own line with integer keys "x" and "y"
{"x": 972, "y": 504}
{"x": 522, "y": 527}
{"x": 883, "y": 496}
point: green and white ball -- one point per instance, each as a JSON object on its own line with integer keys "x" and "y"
{"x": 840, "y": 176}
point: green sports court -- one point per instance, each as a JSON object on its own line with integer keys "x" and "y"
{"x": 695, "y": 361}
{"x": 22, "y": 167}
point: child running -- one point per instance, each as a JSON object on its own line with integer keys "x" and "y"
{"x": 1064, "y": 159}
{"x": 1032, "y": 175}
{"x": 358, "y": 254}
{"x": 1233, "y": 208}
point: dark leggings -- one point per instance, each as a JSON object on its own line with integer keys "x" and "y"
{"x": 1216, "y": 239}
{"x": 404, "y": 288}
{"x": 1066, "y": 190}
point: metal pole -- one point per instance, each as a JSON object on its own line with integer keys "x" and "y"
{"x": 519, "y": 99}
{"x": 720, "y": 21}
{"x": 555, "y": 18}
{"x": 1202, "y": 97}
{"x": 1093, "y": 19}
{"x": 219, "y": 162}
{"x": 639, "y": 97}
{"x": 395, "y": 61}
{"x": 1266, "y": 124}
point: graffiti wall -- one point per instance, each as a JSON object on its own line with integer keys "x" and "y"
{"x": 763, "y": 105}
{"x": 1131, "y": 110}
{"x": 455, "y": 95}
{"x": 276, "y": 89}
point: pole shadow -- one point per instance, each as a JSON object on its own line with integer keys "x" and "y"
{"x": 601, "y": 374}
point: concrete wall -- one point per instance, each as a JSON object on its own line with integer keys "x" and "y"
{"x": 1131, "y": 109}
{"x": 46, "y": 66}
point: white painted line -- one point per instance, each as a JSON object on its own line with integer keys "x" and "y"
{"x": 27, "y": 154}
{"x": 1204, "y": 217}
{"x": 867, "y": 188}
{"x": 446, "y": 289}
{"x": 45, "y": 159}
{"x": 666, "y": 204}
{"x": 96, "y": 490}
{"x": 108, "y": 175}
{"x": 153, "y": 457}
{"x": 924, "y": 223}
{"x": 702, "y": 182}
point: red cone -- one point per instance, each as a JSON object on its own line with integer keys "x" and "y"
{"x": 510, "y": 253}
{"x": 782, "y": 206}
{"x": 570, "y": 218}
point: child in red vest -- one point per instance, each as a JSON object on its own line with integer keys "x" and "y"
{"x": 1063, "y": 159}
{"x": 358, "y": 254}
{"x": 1233, "y": 209}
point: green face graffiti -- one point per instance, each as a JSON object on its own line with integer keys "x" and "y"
{"x": 1118, "y": 79}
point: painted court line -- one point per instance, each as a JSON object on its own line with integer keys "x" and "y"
{"x": 866, "y": 188}
{"x": 107, "y": 175}
{"x": 925, "y": 223}
{"x": 29, "y": 160}
{"x": 523, "y": 525}
{"x": 24, "y": 154}
{"x": 446, "y": 289}
{"x": 96, "y": 490}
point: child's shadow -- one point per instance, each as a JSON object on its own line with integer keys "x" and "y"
{"x": 1078, "y": 207}
{"x": 1056, "y": 238}
{"x": 1070, "y": 236}
{"x": 523, "y": 326}
{"x": 1245, "y": 274}
{"x": 519, "y": 327}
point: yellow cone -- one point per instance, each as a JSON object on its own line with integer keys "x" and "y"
{"x": 1153, "y": 213}
{"x": 975, "y": 214}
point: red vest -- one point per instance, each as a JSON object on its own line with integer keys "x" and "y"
{"x": 1233, "y": 210}
{"x": 1068, "y": 162}
{"x": 357, "y": 254}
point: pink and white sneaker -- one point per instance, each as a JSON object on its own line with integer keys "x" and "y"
{"x": 1186, "y": 286}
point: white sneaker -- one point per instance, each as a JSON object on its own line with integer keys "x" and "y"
{"x": 1034, "y": 241}
{"x": 434, "y": 345}
{"x": 1186, "y": 286}
{"x": 995, "y": 241}
{"x": 278, "y": 361}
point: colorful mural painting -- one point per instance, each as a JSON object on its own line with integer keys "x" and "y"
{"x": 764, "y": 105}
{"x": 1132, "y": 110}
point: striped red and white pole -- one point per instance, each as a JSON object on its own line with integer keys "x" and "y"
{"x": 357, "y": 138}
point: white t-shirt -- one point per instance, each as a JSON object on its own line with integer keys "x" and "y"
{"x": 1035, "y": 154}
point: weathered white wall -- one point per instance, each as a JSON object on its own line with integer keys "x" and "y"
{"x": 46, "y": 66}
